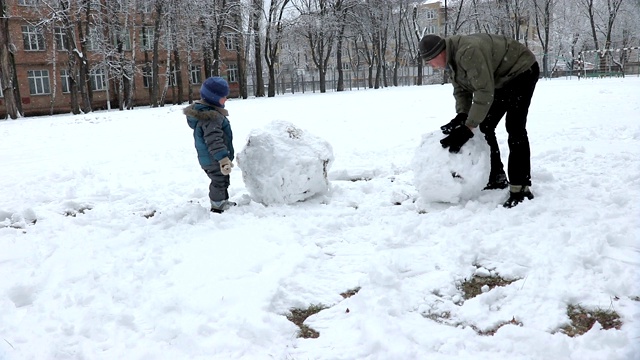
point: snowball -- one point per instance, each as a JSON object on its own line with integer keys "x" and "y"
{"x": 282, "y": 164}
{"x": 482, "y": 272}
{"x": 441, "y": 176}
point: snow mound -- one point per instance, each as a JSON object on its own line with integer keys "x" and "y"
{"x": 441, "y": 176}
{"x": 282, "y": 164}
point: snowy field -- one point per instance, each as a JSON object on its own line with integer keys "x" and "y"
{"x": 108, "y": 250}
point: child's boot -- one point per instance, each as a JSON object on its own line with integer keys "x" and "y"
{"x": 220, "y": 206}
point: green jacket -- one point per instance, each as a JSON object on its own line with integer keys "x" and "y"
{"x": 479, "y": 64}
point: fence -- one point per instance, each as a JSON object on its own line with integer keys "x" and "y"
{"x": 303, "y": 83}
{"x": 603, "y": 63}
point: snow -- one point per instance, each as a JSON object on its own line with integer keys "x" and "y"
{"x": 108, "y": 250}
{"x": 440, "y": 176}
{"x": 283, "y": 164}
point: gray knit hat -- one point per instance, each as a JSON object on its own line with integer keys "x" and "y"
{"x": 430, "y": 46}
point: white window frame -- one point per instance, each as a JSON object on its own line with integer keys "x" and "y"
{"x": 147, "y": 77}
{"x": 32, "y": 38}
{"x": 27, "y": 2}
{"x": 125, "y": 35}
{"x": 173, "y": 76}
{"x": 39, "y": 82}
{"x": 196, "y": 74}
{"x": 144, "y": 6}
{"x": 94, "y": 39}
{"x": 431, "y": 14}
{"x": 65, "y": 81}
{"x": 232, "y": 72}
{"x": 230, "y": 42}
{"x": 62, "y": 40}
{"x": 146, "y": 38}
{"x": 98, "y": 79}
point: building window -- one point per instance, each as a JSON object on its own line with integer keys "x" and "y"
{"x": 146, "y": 38}
{"x": 232, "y": 72}
{"x": 230, "y": 42}
{"x": 147, "y": 76}
{"x": 32, "y": 37}
{"x": 173, "y": 76}
{"x": 144, "y": 6}
{"x": 196, "y": 75}
{"x": 94, "y": 39}
{"x": 522, "y": 34}
{"x": 65, "y": 81}
{"x": 28, "y": 2}
{"x": 432, "y": 14}
{"x": 95, "y": 4}
{"x": 124, "y": 38}
{"x": 62, "y": 41}
{"x": 38, "y": 82}
{"x": 98, "y": 80}
{"x": 431, "y": 29}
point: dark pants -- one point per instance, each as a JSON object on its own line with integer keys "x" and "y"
{"x": 219, "y": 183}
{"x": 514, "y": 100}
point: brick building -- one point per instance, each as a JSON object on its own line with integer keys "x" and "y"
{"x": 41, "y": 59}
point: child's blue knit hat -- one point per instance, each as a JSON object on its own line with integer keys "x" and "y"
{"x": 213, "y": 89}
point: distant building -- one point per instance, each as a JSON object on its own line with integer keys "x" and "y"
{"x": 41, "y": 62}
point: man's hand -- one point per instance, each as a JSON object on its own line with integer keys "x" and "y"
{"x": 454, "y": 123}
{"x": 225, "y": 166}
{"x": 458, "y": 137}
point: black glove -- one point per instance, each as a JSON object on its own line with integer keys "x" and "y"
{"x": 458, "y": 137}
{"x": 456, "y": 122}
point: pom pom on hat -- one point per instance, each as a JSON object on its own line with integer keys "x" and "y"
{"x": 213, "y": 89}
{"x": 430, "y": 46}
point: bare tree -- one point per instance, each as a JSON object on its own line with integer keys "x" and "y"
{"x": 602, "y": 18}
{"x": 543, "y": 17}
{"x": 344, "y": 14}
{"x": 8, "y": 79}
{"x": 274, "y": 31}
{"x": 419, "y": 33}
{"x": 319, "y": 23}
{"x": 256, "y": 21}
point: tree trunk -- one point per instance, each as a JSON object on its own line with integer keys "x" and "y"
{"x": 257, "y": 15}
{"x": 7, "y": 67}
{"x": 178, "y": 71}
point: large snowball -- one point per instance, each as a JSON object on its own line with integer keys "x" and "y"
{"x": 441, "y": 176}
{"x": 282, "y": 164}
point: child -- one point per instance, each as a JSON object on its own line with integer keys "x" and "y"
{"x": 213, "y": 139}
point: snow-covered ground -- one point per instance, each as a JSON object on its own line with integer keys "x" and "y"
{"x": 108, "y": 250}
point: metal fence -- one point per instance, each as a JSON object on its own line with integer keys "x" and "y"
{"x": 297, "y": 84}
{"x": 304, "y": 83}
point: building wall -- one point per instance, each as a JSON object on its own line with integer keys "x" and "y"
{"x": 53, "y": 61}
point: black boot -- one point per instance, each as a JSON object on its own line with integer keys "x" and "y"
{"x": 220, "y": 206}
{"x": 517, "y": 195}
{"x": 498, "y": 181}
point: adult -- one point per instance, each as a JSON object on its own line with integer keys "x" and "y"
{"x": 492, "y": 75}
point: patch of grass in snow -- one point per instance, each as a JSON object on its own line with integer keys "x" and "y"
{"x": 635, "y": 298}
{"x": 445, "y": 319}
{"x": 582, "y": 320}
{"x": 350, "y": 293}
{"x": 473, "y": 287}
{"x": 439, "y": 317}
{"x": 75, "y": 212}
{"x": 493, "y": 330}
{"x": 298, "y": 316}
